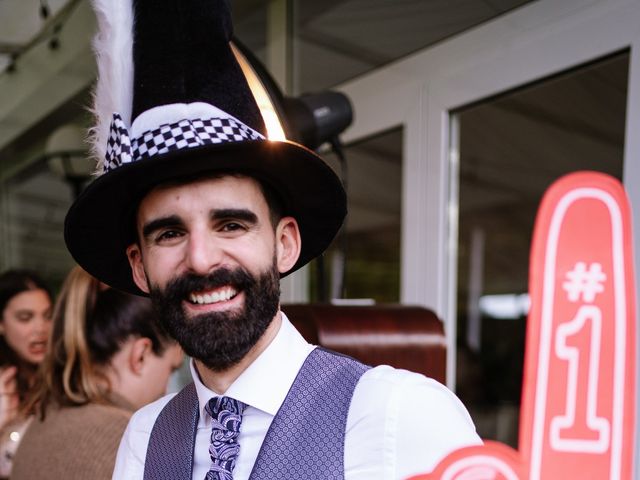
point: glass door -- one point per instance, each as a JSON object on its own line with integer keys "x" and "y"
{"x": 511, "y": 148}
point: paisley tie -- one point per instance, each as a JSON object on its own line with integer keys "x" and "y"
{"x": 226, "y": 414}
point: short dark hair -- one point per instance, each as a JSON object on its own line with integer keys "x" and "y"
{"x": 274, "y": 202}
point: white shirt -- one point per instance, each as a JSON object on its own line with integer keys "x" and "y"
{"x": 399, "y": 424}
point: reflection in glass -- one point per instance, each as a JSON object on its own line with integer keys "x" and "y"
{"x": 372, "y": 267}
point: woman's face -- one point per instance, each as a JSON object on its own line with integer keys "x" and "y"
{"x": 26, "y": 324}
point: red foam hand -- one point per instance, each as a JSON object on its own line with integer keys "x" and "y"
{"x": 578, "y": 405}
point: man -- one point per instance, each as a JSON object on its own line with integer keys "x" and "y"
{"x": 202, "y": 213}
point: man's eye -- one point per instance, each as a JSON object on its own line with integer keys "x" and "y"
{"x": 168, "y": 235}
{"x": 232, "y": 227}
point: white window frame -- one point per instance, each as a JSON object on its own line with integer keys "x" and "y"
{"x": 417, "y": 93}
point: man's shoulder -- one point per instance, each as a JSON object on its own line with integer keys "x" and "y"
{"x": 133, "y": 446}
{"x": 388, "y": 388}
{"x": 145, "y": 417}
{"x": 406, "y": 422}
{"x": 385, "y": 376}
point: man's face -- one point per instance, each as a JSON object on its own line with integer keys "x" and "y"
{"x": 209, "y": 256}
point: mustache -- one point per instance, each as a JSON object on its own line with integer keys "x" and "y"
{"x": 180, "y": 287}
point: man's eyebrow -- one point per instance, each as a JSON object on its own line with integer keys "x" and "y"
{"x": 234, "y": 213}
{"x": 158, "y": 223}
{"x": 217, "y": 214}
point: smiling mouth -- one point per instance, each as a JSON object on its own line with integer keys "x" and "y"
{"x": 213, "y": 296}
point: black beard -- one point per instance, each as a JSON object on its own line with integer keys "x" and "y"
{"x": 219, "y": 339}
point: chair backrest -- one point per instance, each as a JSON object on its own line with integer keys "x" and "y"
{"x": 401, "y": 336}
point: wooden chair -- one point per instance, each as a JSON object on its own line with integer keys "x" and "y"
{"x": 401, "y": 336}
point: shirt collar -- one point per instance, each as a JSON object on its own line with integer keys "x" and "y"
{"x": 266, "y": 382}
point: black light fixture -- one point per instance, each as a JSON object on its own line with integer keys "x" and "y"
{"x": 311, "y": 119}
{"x": 318, "y": 118}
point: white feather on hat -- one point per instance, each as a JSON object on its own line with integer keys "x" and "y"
{"x": 113, "y": 93}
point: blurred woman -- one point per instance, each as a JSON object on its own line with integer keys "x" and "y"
{"x": 108, "y": 358}
{"x": 25, "y": 326}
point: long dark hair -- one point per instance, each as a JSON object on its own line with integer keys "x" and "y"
{"x": 12, "y": 283}
{"x": 91, "y": 322}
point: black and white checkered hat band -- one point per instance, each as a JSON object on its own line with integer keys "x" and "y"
{"x": 186, "y": 133}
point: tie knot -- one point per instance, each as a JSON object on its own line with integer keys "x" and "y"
{"x": 226, "y": 412}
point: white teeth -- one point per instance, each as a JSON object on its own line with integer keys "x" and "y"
{"x": 214, "y": 297}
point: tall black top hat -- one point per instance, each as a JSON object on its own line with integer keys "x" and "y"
{"x": 172, "y": 102}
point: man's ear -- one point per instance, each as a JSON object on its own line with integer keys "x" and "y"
{"x": 139, "y": 353}
{"x": 288, "y": 243}
{"x": 134, "y": 254}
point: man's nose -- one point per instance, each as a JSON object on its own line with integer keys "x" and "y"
{"x": 204, "y": 253}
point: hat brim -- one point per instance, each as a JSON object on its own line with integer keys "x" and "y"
{"x": 100, "y": 224}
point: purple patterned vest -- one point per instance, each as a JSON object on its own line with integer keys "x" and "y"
{"x": 304, "y": 442}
